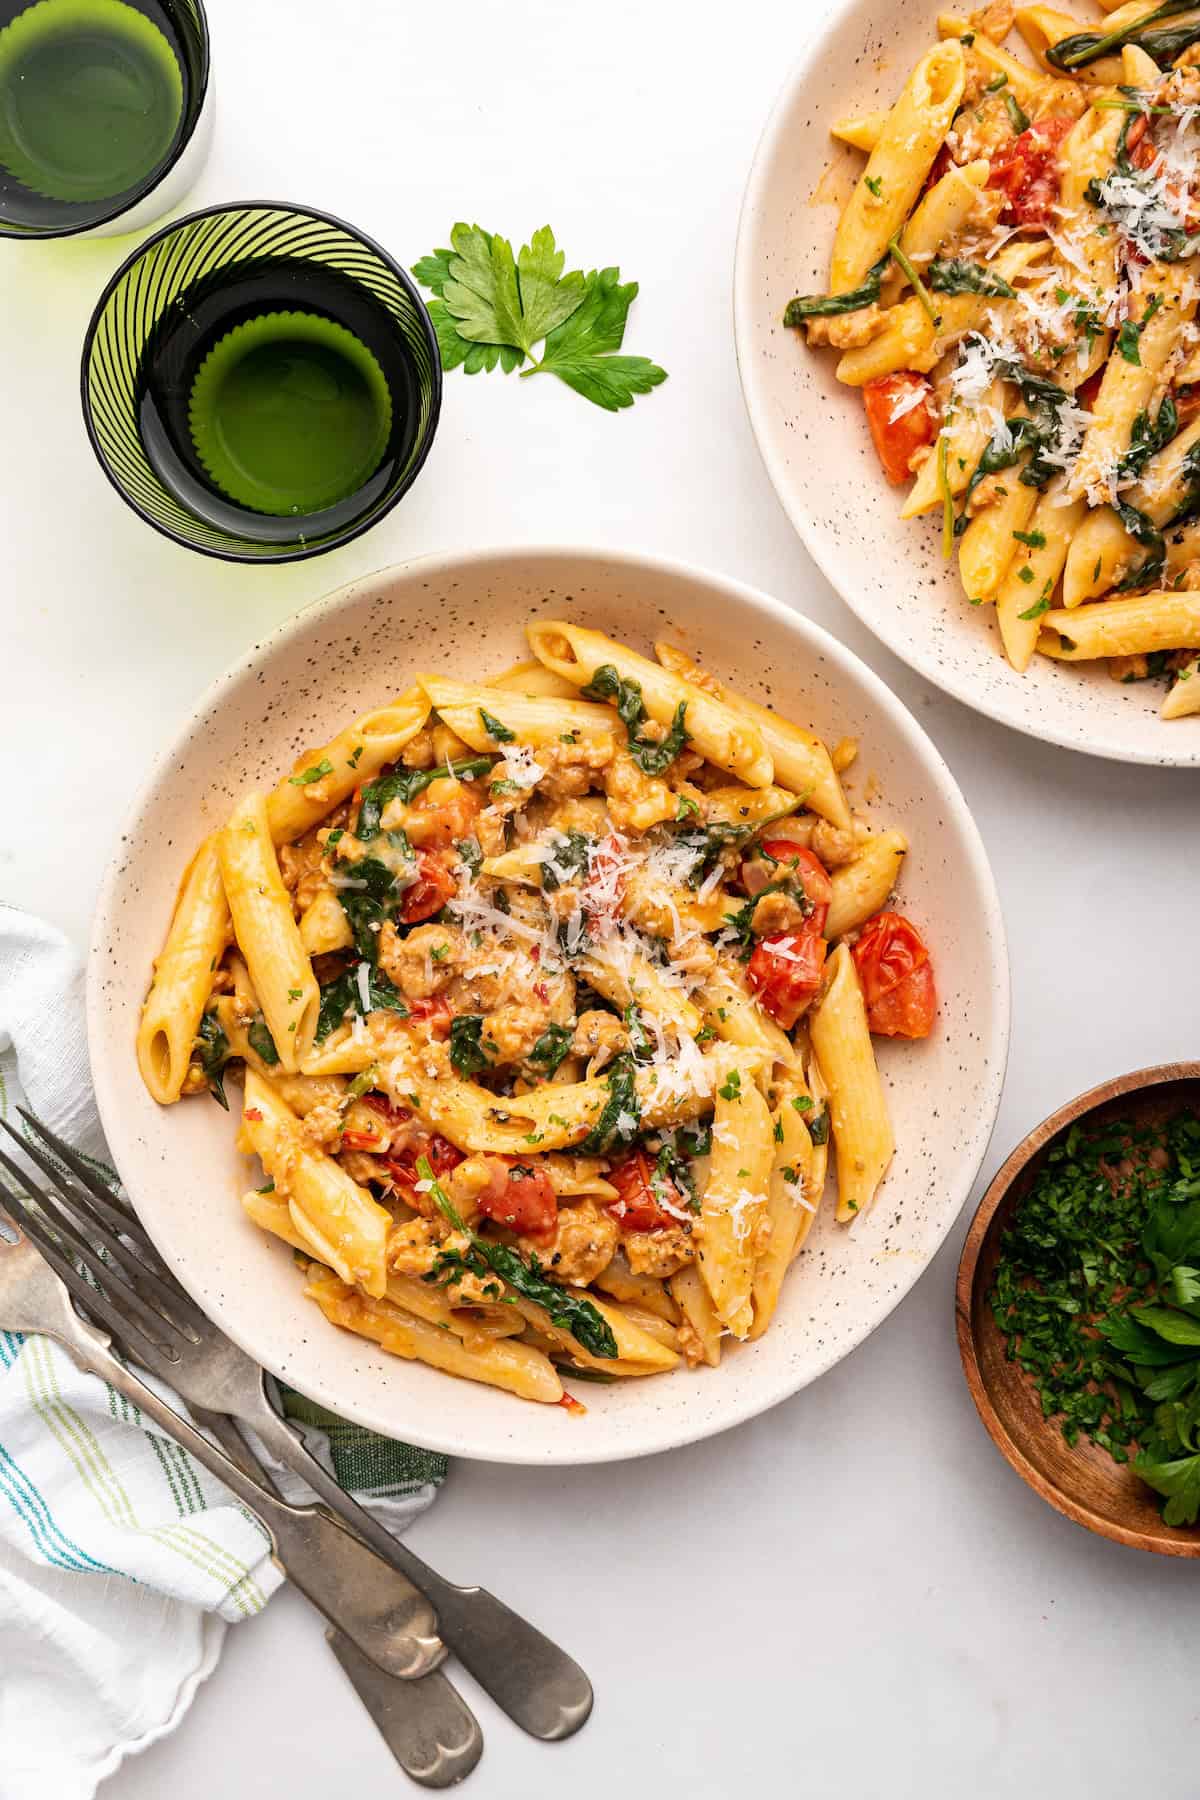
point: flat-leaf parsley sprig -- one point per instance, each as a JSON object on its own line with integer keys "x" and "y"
{"x": 493, "y": 308}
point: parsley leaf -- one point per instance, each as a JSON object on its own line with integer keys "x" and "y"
{"x": 490, "y": 308}
{"x": 308, "y": 776}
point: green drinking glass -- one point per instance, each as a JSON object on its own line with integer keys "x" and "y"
{"x": 105, "y": 113}
{"x": 261, "y": 382}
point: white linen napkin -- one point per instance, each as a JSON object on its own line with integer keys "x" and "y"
{"x": 121, "y": 1560}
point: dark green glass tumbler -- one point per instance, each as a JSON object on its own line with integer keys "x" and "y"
{"x": 261, "y": 382}
{"x": 105, "y": 113}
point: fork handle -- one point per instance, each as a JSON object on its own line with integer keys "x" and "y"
{"x": 338, "y": 1573}
{"x": 540, "y": 1687}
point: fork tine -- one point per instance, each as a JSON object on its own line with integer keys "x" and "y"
{"x": 39, "y": 1235}
{"x": 75, "y": 1205}
{"x": 60, "y": 1221}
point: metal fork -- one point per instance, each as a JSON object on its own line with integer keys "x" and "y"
{"x": 428, "y": 1727}
{"x": 538, "y": 1685}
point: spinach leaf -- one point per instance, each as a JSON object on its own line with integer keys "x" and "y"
{"x": 214, "y": 1050}
{"x": 1084, "y": 47}
{"x": 261, "y": 1042}
{"x": 466, "y": 1052}
{"x": 571, "y": 852}
{"x": 341, "y": 996}
{"x": 1145, "y": 439}
{"x": 551, "y": 1048}
{"x": 953, "y": 275}
{"x": 621, "y": 1117}
{"x": 652, "y": 758}
{"x": 827, "y": 306}
{"x": 495, "y": 729}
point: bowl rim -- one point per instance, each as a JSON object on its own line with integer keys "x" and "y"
{"x": 772, "y": 139}
{"x": 1156, "y": 1075}
{"x": 292, "y": 553}
{"x": 650, "y": 1437}
{"x": 147, "y": 187}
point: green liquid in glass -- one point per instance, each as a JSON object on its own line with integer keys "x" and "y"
{"x": 290, "y": 413}
{"x": 91, "y": 98}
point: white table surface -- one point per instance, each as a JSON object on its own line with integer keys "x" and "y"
{"x": 852, "y": 1596}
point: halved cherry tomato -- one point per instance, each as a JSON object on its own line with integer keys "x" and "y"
{"x": 806, "y": 868}
{"x": 1139, "y": 145}
{"x": 899, "y": 430}
{"x": 434, "y": 1012}
{"x": 442, "y": 1155}
{"x": 785, "y": 972}
{"x": 1087, "y": 390}
{"x": 897, "y": 977}
{"x": 429, "y": 892}
{"x": 395, "y": 1115}
{"x": 602, "y": 893}
{"x": 443, "y": 814}
{"x": 637, "y": 1206}
{"x": 519, "y": 1196}
{"x": 1027, "y": 168}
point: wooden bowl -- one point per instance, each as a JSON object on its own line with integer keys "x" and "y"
{"x": 1083, "y": 1482}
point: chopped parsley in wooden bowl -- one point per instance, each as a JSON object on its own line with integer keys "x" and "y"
{"x": 1078, "y": 1310}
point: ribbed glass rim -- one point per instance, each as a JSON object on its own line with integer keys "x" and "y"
{"x": 138, "y": 194}
{"x": 300, "y": 553}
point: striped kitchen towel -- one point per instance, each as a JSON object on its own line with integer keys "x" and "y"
{"x": 121, "y": 1560}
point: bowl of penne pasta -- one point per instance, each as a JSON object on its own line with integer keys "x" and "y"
{"x": 965, "y": 269}
{"x": 549, "y": 1005}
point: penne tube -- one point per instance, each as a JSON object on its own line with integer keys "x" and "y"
{"x": 637, "y": 1352}
{"x": 355, "y": 756}
{"x": 861, "y": 132}
{"x": 266, "y": 932}
{"x": 862, "y": 1131}
{"x": 1162, "y": 620}
{"x": 1100, "y": 552}
{"x": 861, "y": 888}
{"x": 699, "y": 1315}
{"x": 801, "y": 761}
{"x": 1027, "y": 84}
{"x": 731, "y": 1015}
{"x": 940, "y": 217}
{"x": 751, "y": 807}
{"x": 346, "y": 1051}
{"x": 1183, "y": 697}
{"x": 967, "y": 435}
{"x": 1024, "y": 594}
{"x": 561, "y": 1114}
{"x": 909, "y": 339}
{"x": 1165, "y": 302}
{"x": 628, "y": 979}
{"x": 531, "y": 678}
{"x": 722, "y": 735}
{"x": 734, "y": 1203}
{"x": 502, "y": 1363}
{"x": 1042, "y": 27}
{"x": 324, "y": 926}
{"x": 989, "y": 543}
{"x": 534, "y": 721}
{"x": 646, "y": 1292}
{"x": 790, "y": 1210}
{"x": 183, "y": 976}
{"x": 474, "y": 1321}
{"x": 896, "y": 169}
{"x": 654, "y": 1326}
{"x": 818, "y": 1166}
{"x": 336, "y": 1219}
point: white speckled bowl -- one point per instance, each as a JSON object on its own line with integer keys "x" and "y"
{"x": 465, "y": 614}
{"x": 814, "y": 439}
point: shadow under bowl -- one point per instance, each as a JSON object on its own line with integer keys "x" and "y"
{"x": 1082, "y": 1481}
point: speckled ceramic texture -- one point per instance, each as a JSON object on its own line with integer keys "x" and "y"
{"x": 813, "y": 436}
{"x": 466, "y": 615}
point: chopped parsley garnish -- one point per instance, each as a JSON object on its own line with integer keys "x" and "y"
{"x": 732, "y": 1086}
{"x": 875, "y": 184}
{"x": 315, "y": 773}
{"x": 1097, "y": 1295}
{"x": 1036, "y": 540}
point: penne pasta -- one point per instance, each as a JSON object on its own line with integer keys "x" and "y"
{"x": 862, "y": 1132}
{"x": 861, "y": 888}
{"x": 1128, "y": 627}
{"x": 183, "y": 976}
{"x": 354, "y": 756}
{"x": 266, "y": 931}
{"x": 734, "y": 1203}
{"x": 791, "y": 1208}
